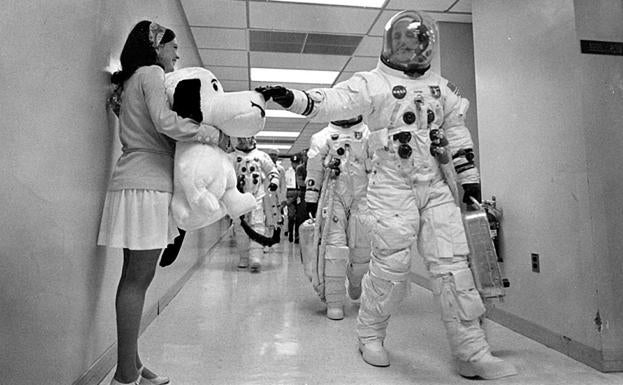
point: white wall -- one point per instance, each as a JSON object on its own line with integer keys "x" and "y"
{"x": 549, "y": 123}
{"x": 57, "y": 287}
{"x": 602, "y": 120}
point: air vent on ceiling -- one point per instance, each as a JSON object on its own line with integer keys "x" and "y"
{"x": 312, "y": 43}
{"x": 331, "y": 44}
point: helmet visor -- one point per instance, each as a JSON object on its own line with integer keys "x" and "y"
{"x": 409, "y": 41}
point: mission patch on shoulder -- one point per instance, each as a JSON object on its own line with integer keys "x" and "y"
{"x": 453, "y": 88}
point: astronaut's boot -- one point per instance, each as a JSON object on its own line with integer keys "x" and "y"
{"x": 486, "y": 366}
{"x": 334, "y": 293}
{"x": 255, "y": 259}
{"x": 244, "y": 262}
{"x": 382, "y": 291}
{"x": 374, "y": 353}
{"x": 461, "y": 309}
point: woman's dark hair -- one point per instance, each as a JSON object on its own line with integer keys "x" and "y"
{"x": 138, "y": 51}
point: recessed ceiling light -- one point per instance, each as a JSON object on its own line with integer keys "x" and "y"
{"x": 350, "y": 3}
{"x": 283, "y": 114}
{"x": 292, "y": 76}
{"x": 272, "y": 146}
{"x": 280, "y": 134}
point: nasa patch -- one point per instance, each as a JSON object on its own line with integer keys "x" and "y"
{"x": 399, "y": 92}
{"x": 358, "y": 135}
{"x": 310, "y": 182}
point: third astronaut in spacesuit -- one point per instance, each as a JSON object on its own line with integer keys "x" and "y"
{"x": 254, "y": 170}
{"x": 413, "y": 115}
{"x": 340, "y": 150}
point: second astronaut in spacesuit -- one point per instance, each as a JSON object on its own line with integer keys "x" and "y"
{"x": 340, "y": 152}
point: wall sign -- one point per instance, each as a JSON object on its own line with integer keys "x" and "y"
{"x": 601, "y": 47}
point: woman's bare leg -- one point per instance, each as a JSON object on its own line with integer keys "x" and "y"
{"x": 139, "y": 268}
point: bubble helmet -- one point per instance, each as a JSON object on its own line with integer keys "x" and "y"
{"x": 410, "y": 39}
{"x": 347, "y": 123}
{"x": 246, "y": 143}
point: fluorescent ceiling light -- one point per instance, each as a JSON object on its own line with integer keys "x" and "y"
{"x": 283, "y": 114}
{"x": 351, "y": 3}
{"x": 279, "y": 134}
{"x": 273, "y": 146}
{"x": 292, "y": 76}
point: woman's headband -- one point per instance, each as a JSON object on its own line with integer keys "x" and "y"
{"x": 156, "y": 33}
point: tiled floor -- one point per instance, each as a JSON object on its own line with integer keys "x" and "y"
{"x": 228, "y": 326}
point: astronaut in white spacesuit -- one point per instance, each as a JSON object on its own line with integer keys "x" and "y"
{"x": 341, "y": 148}
{"x": 254, "y": 169}
{"x": 415, "y": 117}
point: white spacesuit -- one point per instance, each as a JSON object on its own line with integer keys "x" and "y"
{"x": 274, "y": 201}
{"x": 404, "y": 104}
{"x": 254, "y": 169}
{"x": 341, "y": 148}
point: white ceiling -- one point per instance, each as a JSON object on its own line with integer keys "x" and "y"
{"x": 234, "y": 35}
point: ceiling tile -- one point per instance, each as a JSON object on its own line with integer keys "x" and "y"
{"x": 234, "y": 85}
{"x": 361, "y": 64}
{"x": 328, "y": 44}
{"x": 370, "y": 46}
{"x": 297, "y": 61}
{"x": 220, "y": 57}
{"x": 420, "y": 5}
{"x": 379, "y": 26}
{"x": 462, "y": 6}
{"x": 220, "y": 38}
{"x": 231, "y": 73}
{"x": 219, "y": 13}
{"x": 310, "y": 18}
{"x": 274, "y": 41}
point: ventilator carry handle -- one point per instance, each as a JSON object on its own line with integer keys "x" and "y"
{"x": 476, "y": 203}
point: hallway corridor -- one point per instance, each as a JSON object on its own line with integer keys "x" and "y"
{"x": 228, "y": 326}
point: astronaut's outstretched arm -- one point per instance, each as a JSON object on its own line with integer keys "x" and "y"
{"x": 349, "y": 98}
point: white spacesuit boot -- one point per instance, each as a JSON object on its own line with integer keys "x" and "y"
{"x": 242, "y": 244}
{"x": 256, "y": 253}
{"x": 336, "y": 258}
{"x": 382, "y": 292}
{"x": 461, "y": 309}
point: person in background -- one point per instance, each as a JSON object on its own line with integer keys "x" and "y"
{"x": 301, "y": 210}
{"x": 254, "y": 170}
{"x": 339, "y": 160}
{"x": 136, "y": 216}
{"x": 292, "y": 197}
{"x": 421, "y": 147}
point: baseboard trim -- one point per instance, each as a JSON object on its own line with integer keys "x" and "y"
{"x": 100, "y": 368}
{"x": 611, "y": 361}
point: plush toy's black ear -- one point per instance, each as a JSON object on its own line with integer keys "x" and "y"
{"x": 187, "y": 99}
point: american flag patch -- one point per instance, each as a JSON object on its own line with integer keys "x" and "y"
{"x": 453, "y": 88}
